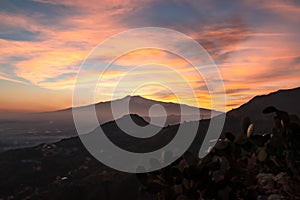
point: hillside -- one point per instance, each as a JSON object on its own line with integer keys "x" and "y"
{"x": 65, "y": 169}
{"x": 287, "y": 100}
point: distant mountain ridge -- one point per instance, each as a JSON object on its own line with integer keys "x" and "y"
{"x": 30, "y": 129}
{"x": 141, "y": 106}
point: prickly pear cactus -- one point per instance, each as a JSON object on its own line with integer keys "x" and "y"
{"x": 239, "y": 166}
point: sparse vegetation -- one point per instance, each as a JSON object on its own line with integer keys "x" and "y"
{"x": 247, "y": 165}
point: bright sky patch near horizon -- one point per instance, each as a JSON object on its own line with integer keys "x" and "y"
{"x": 254, "y": 43}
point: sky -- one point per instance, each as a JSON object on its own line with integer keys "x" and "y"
{"x": 43, "y": 43}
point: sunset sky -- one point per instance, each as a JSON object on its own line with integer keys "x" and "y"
{"x": 255, "y": 44}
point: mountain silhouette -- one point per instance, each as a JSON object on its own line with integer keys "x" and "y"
{"x": 147, "y": 108}
{"x": 29, "y": 129}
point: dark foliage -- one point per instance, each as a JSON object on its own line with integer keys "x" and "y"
{"x": 248, "y": 165}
